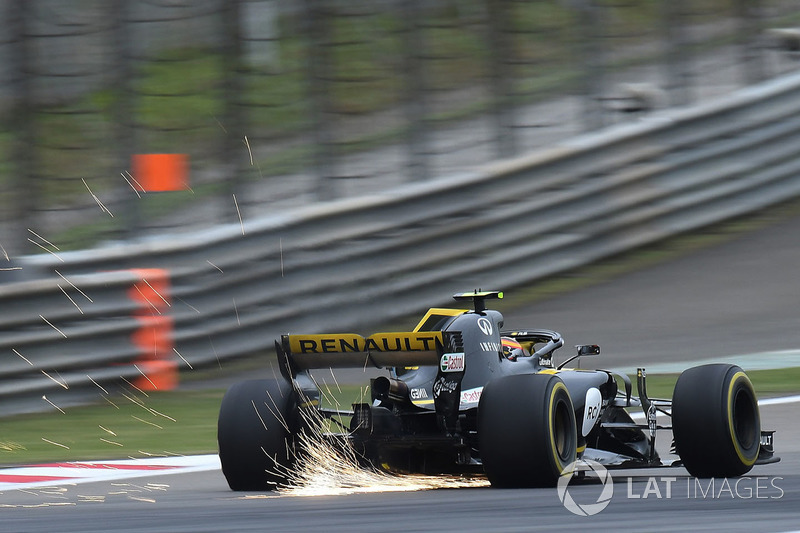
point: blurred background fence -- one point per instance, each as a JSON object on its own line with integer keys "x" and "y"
{"x": 280, "y": 103}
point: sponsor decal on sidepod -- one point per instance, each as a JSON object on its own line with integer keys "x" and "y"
{"x": 452, "y": 362}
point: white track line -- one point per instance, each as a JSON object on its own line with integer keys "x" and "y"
{"x": 753, "y": 361}
{"x": 75, "y": 472}
{"x": 638, "y": 415}
{"x": 779, "y": 401}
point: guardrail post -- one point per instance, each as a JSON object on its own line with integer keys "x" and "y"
{"x": 27, "y": 193}
{"x": 415, "y": 105}
{"x": 748, "y": 13}
{"x": 233, "y": 83}
{"x": 502, "y": 73}
{"x": 319, "y": 68}
{"x": 589, "y": 18}
{"x": 126, "y": 138}
{"x": 678, "y": 60}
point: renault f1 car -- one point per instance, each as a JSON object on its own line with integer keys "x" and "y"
{"x": 463, "y": 396}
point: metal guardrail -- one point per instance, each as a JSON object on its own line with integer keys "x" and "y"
{"x": 353, "y": 263}
{"x": 65, "y": 336}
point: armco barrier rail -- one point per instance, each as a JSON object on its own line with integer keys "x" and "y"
{"x": 354, "y": 263}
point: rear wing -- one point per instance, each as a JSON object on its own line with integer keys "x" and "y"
{"x": 297, "y": 353}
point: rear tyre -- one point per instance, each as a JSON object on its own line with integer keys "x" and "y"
{"x": 526, "y": 430}
{"x": 255, "y": 433}
{"x": 715, "y": 421}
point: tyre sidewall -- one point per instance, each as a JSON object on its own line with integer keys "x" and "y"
{"x": 527, "y": 430}
{"x": 715, "y": 420}
{"x": 255, "y": 434}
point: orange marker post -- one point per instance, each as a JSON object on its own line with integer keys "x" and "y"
{"x": 154, "y": 336}
{"x": 161, "y": 172}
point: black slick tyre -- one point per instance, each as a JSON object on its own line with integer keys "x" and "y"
{"x": 715, "y": 421}
{"x": 526, "y": 430}
{"x": 255, "y": 434}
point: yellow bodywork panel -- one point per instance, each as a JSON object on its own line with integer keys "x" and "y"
{"x": 435, "y": 314}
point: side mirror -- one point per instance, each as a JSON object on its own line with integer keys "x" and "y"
{"x": 583, "y": 350}
{"x": 588, "y": 349}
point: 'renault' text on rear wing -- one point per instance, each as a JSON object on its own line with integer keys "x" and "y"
{"x": 349, "y": 350}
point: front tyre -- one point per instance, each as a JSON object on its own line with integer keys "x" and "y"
{"x": 526, "y": 430}
{"x": 255, "y": 433}
{"x": 715, "y": 421}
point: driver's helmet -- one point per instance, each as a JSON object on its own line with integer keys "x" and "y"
{"x": 512, "y": 349}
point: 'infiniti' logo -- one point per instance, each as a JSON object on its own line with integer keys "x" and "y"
{"x": 485, "y": 326}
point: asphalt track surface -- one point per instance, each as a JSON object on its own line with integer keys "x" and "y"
{"x": 767, "y": 500}
{"x": 738, "y": 297}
